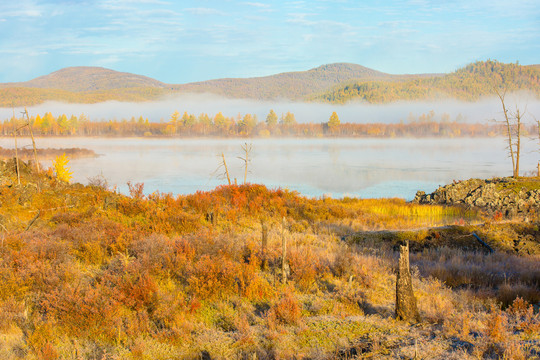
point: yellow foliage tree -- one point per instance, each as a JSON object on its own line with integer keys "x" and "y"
{"x": 63, "y": 172}
{"x": 334, "y": 122}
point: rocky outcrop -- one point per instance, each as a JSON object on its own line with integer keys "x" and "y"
{"x": 511, "y": 197}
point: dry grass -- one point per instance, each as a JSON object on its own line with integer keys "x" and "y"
{"x": 104, "y": 276}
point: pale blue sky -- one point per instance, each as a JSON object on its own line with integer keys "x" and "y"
{"x": 184, "y": 41}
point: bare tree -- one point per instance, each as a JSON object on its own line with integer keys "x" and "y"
{"x": 284, "y": 265}
{"x": 513, "y": 121}
{"x": 247, "y": 149}
{"x": 501, "y": 93}
{"x": 538, "y": 128}
{"x": 222, "y": 175}
{"x": 15, "y": 130}
{"x": 29, "y": 124}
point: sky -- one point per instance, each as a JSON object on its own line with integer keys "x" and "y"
{"x": 185, "y": 41}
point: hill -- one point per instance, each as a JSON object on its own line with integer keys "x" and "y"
{"x": 335, "y": 83}
{"x": 469, "y": 83}
{"x": 82, "y": 85}
{"x": 85, "y": 78}
{"x": 94, "y": 84}
{"x": 292, "y": 85}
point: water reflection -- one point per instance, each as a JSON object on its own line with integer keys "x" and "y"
{"x": 341, "y": 167}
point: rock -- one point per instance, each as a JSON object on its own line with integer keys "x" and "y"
{"x": 480, "y": 202}
{"x": 420, "y": 195}
{"x": 506, "y": 195}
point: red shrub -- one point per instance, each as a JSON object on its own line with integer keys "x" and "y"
{"x": 287, "y": 310}
{"x": 213, "y": 276}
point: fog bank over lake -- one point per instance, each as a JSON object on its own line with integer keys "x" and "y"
{"x": 481, "y": 111}
{"x": 358, "y": 167}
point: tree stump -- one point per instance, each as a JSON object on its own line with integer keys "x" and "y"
{"x": 406, "y": 308}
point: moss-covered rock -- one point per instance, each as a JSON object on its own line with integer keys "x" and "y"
{"x": 510, "y": 197}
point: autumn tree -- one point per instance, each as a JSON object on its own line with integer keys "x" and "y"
{"x": 62, "y": 123}
{"x": 46, "y": 123}
{"x": 247, "y": 124}
{"x": 63, "y": 172}
{"x": 204, "y": 122}
{"x": 175, "y": 117}
{"x": 333, "y": 122}
{"x": 288, "y": 119}
{"x": 73, "y": 125}
{"x": 271, "y": 118}
{"x": 191, "y": 120}
{"x": 185, "y": 118}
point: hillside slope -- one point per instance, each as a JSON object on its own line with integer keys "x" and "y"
{"x": 291, "y": 85}
{"x": 85, "y": 78}
{"x": 335, "y": 83}
{"x": 469, "y": 83}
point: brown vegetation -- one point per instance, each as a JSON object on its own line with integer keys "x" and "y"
{"x": 100, "y": 275}
{"x": 48, "y": 153}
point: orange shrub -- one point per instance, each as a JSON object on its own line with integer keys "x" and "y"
{"x": 84, "y": 310}
{"x": 305, "y": 266}
{"x": 211, "y": 277}
{"x": 252, "y": 285}
{"x": 496, "y": 323}
{"x": 287, "y": 310}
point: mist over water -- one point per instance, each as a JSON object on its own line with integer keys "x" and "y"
{"x": 481, "y": 111}
{"x": 339, "y": 167}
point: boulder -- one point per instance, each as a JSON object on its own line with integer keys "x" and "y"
{"x": 507, "y": 195}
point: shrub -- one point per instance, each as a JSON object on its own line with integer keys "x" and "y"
{"x": 211, "y": 277}
{"x": 287, "y": 310}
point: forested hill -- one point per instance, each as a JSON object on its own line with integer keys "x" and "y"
{"x": 336, "y": 83}
{"x": 93, "y": 84}
{"x": 292, "y": 85}
{"x": 469, "y": 83}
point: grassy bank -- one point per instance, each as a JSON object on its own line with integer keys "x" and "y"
{"x": 88, "y": 273}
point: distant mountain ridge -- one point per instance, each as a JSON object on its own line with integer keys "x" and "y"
{"x": 336, "y": 83}
{"x": 469, "y": 83}
{"x": 289, "y": 85}
{"x": 87, "y": 78}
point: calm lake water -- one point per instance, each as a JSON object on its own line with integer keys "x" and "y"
{"x": 314, "y": 167}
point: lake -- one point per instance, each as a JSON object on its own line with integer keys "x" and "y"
{"x": 360, "y": 167}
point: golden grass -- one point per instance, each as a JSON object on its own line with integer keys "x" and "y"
{"x": 102, "y": 275}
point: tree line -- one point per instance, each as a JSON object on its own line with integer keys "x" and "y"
{"x": 249, "y": 125}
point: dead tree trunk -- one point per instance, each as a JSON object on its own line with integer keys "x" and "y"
{"x": 501, "y": 95}
{"x": 226, "y": 169}
{"x": 406, "y": 308}
{"x": 17, "y": 160}
{"x": 264, "y": 244}
{"x": 518, "y": 117}
{"x": 247, "y": 149}
{"x": 33, "y": 141}
{"x": 284, "y": 265}
{"x": 16, "y": 148}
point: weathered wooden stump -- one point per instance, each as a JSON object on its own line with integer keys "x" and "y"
{"x": 406, "y": 308}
